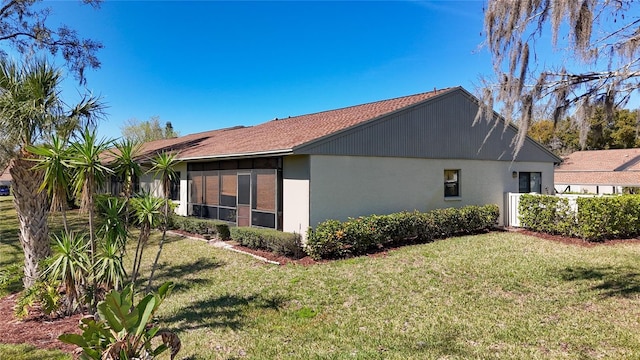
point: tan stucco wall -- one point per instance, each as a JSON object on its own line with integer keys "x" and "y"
{"x": 349, "y": 186}
{"x": 295, "y": 199}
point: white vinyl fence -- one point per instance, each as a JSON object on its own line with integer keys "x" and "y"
{"x": 512, "y": 201}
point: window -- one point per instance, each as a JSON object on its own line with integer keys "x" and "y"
{"x": 195, "y": 184}
{"x": 530, "y": 182}
{"x": 451, "y": 183}
{"x": 174, "y": 187}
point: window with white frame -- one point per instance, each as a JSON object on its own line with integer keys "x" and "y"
{"x": 451, "y": 183}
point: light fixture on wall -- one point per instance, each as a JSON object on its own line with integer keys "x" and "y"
{"x": 514, "y": 174}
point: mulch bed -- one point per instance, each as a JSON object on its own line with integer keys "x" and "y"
{"x": 573, "y": 241}
{"x": 36, "y": 330}
{"x": 41, "y": 332}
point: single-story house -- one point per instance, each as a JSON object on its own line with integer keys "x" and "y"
{"x": 598, "y": 171}
{"x": 417, "y": 152}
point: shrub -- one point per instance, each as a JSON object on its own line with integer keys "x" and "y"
{"x": 325, "y": 241}
{"x": 608, "y": 217}
{"x": 335, "y": 239}
{"x": 596, "y": 219}
{"x": 548, "y": 214}
{"x": 199, "y": 226}
{"x": 43, "y": 295}
{"x": 11, "y": 278}
{"x": 125, "y": 331}
{"x": 281, "y": 243}
{"x": 223, "y": 231}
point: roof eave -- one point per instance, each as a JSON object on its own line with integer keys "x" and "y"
{"x": 239, "y": 155}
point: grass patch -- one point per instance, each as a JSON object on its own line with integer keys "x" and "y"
{"x": 496, "y": 295}
{"x": 11, "y": 256}
{"x": 28, "y": 352}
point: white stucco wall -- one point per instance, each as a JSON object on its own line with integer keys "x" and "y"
{"x": 181, "y": 208}
{"x": 349, "y": 186}
{"x": 149, "y": 183}
{"x": 295, "y": 197}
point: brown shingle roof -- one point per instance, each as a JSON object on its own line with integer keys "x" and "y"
{"x": 616, "y": 178}
{"x": 281, "y": 134}
{"x": 620, "y": 167}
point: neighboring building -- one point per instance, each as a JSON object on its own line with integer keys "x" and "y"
{"x": 598, "y": 171}
{"x": 418, "y": 152}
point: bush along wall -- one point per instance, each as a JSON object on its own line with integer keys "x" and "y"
{"x": 614, "y": 217}
{"x": 597, "y": 218}
{"x": 357, "y": 236}
{"x": 548, "y": 214}
{"x": 193, "y": 225}
{"x": 281, "y": 243}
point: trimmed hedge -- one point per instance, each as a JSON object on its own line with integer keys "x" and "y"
{"x": 548, "y": 214}
{"x": 612, "y": 217}
{"x": 335, "y": 239}
{"x": 193, "y": 225}
{"x": 597, "y": 218}
{"x": 281, "y": 243}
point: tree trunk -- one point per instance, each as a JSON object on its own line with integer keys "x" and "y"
{"x": 164, "y": 236}
{"x": 92, "y": 239}
{"x": 32, "y": 209}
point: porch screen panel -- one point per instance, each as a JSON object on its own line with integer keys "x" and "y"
{"x": 266, "y": 220}
{"x": 212, "y": 188}
{"x": 244, "y": 189}
{"x": 265, "y": 192}
{"x": 229, "y": 187}
{"x": 196, "y": 194}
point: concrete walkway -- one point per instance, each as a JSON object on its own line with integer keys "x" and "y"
{"x": 223, "y": 245}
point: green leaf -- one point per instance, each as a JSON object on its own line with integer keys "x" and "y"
{"x": 146, "y": 308}
{"x": 74, "y": 339}
{"x": 110, "y": 309}
{"x": 159, "y": 350}
{"x": 165, "y": 289}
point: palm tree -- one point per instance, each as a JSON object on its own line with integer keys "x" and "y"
{"x": 90, "y": 173}
{"x": 52, "y": 159}
{"x": 127, "y": 168}
{"x": 164, "y": 167}
{"x": 30, "y": 110}
{"x": 147, "y": 210}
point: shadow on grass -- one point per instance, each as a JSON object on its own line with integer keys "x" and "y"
{"x": 12, "y": 252}
{"x": 183, "y": 274}
{"x": 227, "y": 311}
{"x": 609, "y": 281}
{"x": 10, "y": 238}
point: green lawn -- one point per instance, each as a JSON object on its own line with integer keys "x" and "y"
{"x": 499, "y": 295}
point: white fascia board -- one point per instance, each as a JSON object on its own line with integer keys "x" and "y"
{"x": 241, "y": 155}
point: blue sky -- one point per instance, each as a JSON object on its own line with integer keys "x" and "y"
{"x": 211, "y": 64}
